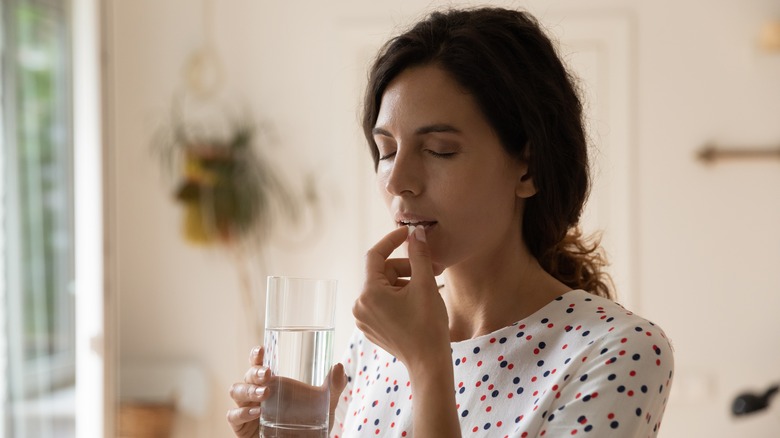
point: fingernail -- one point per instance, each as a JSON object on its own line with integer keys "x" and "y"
{"x": 255, "y": 351}
{"x": 410, "y": 229}
{"x": 254, "y": 411}
{"x": 259, "y": 391}
{"x": 261, "y": 372}
{"x": 419, "y": 234}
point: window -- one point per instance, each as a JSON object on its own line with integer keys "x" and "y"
{"x": 37, "y": 213}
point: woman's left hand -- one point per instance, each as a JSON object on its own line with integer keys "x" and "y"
{"x": 406, "y": 317}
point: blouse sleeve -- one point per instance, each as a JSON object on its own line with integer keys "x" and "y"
{"x": 349, "y": 360}
{"x": 621, "y": 388}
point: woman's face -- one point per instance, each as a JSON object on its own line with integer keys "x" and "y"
{"x": 441, "y": 165}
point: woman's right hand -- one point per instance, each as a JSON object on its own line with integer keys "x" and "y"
{"x": 244, "y": 419}
{"x": 259, "y": 385}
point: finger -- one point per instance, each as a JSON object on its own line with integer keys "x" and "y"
{"x": 237, "y": 417}
{"x": 257, "y": 375}
{"x": 376, "y": 256}
{"x": 245, "y": 394}
{"x": 397, "y": 268}
{"x": 420, "y": 258}
{"x": 256, "y": 356}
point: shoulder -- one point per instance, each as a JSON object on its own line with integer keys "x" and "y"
{"x": 623, "y": 339}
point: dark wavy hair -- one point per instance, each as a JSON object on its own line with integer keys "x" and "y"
{"x": 511, "y": 68}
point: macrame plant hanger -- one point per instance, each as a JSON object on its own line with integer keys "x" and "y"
{"x": 204, "y": 79}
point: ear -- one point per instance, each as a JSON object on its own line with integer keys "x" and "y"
{"x": 525, "y": 183}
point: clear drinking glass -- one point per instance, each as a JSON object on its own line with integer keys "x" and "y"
{"x": 298, "y": 351}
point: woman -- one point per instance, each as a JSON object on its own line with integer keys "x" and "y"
{"x": 478, "y": 142}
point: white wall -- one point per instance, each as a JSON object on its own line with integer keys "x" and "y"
{"x": 707, "y": 241}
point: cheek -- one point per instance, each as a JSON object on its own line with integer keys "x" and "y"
{"x": 381, "y": 186}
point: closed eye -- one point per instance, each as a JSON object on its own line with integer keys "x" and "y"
{"x": 441, "y": 154}
{"x": 388, "y": 156}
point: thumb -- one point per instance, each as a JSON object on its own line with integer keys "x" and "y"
{"x": 420, "y": 257}
{"x": 337, "y": 381}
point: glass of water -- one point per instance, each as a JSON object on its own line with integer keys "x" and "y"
{"x": 298, "y": 351}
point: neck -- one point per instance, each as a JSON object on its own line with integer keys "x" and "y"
{"x": 481, "y": 299}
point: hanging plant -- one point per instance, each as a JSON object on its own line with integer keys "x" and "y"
{"x": 229, "y": 192}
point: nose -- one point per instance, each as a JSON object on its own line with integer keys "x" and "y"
{"x": 403, "y": 176}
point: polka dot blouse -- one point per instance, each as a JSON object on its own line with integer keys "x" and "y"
{"x": 580, "y": 366}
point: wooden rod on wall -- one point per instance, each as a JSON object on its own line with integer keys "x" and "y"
{"x": 710, "y": 153}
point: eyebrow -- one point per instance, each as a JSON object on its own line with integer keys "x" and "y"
{"x": 428, "y": 129}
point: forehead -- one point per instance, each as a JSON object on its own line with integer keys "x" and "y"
{"x": 426, "y": 94}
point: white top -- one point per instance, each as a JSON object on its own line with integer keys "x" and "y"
{"x": 581, "y": 365}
